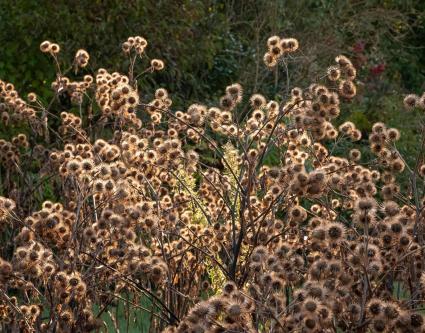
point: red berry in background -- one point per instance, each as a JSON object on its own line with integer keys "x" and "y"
{"x": 378, "y": 69}
{"x": 359, "y": 47}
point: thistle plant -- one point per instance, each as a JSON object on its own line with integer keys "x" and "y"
{"x": 313, "y": 242}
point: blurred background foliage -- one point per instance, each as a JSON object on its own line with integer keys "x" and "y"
{"x": 209, "y": 44}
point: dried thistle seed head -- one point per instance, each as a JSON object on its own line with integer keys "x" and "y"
{"x": 393, "y": 134}
{"x": 354, "y": 154}
{"x": 343, "y": 61}
{"x": 157, "y": 64}
{"x": 347, "y": 127}
{"x": 347, "y": 89}
{"x": 269, "y": 60}
{"x": 411, "y": 101}
{"x": 335, "y": 231}
{"x": 226, "y": 102}
{"x": 366, "y": 204}
{"x": 161, "y": 93}
{"x": 126, "y": 47}
{"x": 235, "y": 90}
{"x": 229, "y": 287}
{"x": 45, "y": 46}
{"x": 257, "y": 101}
{"x": 81, "y": 58}
{"x": 310, "y": 322}
{"x": 311, "y": 305}
{"x": 356, "y": 135}
{"x": 276, "y": 51}
{"x": 289, "y": 44}
{"x": 334, "y": 73}
{"x": 54, "y": 48}
{"x": 273, "y": 41}
{"x": 32, "y": 97}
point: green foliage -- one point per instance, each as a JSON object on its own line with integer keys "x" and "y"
{"x": 126, "y": 317}
{"x": 209, "y": 44}
{"x": 175, "y": 30}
